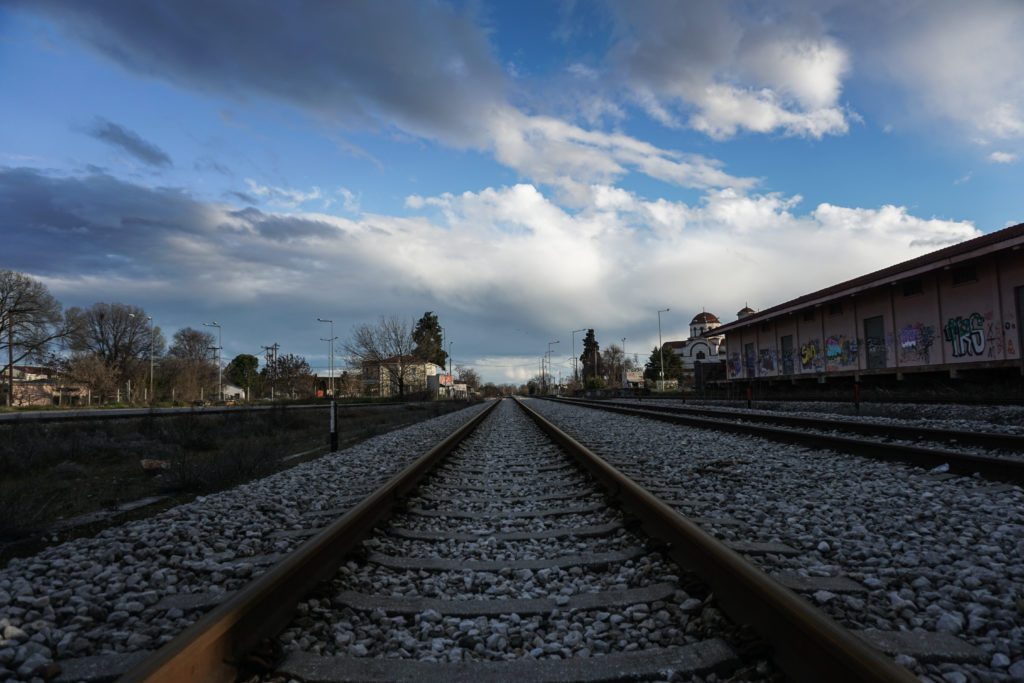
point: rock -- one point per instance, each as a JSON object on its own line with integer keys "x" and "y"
{"x": 954, "y": 677}
{"x": 824, "y": 597}
{"x": 950, "y": 622}
{"x": 824, "y": 547}
{"x": 999, "y": 661}
{"x": 1017, "y": 669}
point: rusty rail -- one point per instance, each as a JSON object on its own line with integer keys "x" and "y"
{"x": 807, "y": 645}
{"x": 1001, "y": 469}
{"x": 213, "y": 648}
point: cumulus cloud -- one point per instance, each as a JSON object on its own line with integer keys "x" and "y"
{"x": 421, "y": 67}
{"x": 606, "y": 265}
{"x": 1002, "y": 157}
{"x": 949, "y": 61}
{"x": 128, "y": 141}
{"x": 724, "y": 70}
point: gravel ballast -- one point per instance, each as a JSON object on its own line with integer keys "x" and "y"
{"x": 102, "y": 595}
{"x": 935, "y": 553}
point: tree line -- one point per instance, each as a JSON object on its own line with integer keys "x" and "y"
{"x": 116, "y": 352}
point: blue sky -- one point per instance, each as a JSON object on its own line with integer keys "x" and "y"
{"x": 520, "y": 169}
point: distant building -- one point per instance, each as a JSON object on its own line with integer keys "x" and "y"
{"x": 386, "y": 378}
{"x": 39, "y": 386}
{"x": 702, "y": 347}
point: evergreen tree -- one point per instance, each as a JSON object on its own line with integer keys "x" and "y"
{"x": 429, "y": 340}
{"x": 591, "y": 357}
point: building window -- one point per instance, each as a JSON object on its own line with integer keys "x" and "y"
{"x": 963, "y": 275}
{"x": 912, "y": 287}
{"x": 700, "y": 355}
{"x": 809, "y": 315}
{"x": 836, "y": 308}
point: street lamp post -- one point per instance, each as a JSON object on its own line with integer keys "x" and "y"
{"x": 623, "y": 362}
{"x": 220, "y": 370}
{"x": 575, "y": 360}
{"x": 661, "y": 350}
{"x": 451, "y": 377}
{"x": 549, "y": 361}
{"x": 331, "y": 340}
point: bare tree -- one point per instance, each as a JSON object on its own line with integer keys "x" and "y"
{"x": 384, "y": 351}
{"x": 468, "y": 376}
{"x": 118, "y": 333}
{"x": 293, "y": 374}
{"x": 188, "y": 366}
{"x": 30, "y": 320}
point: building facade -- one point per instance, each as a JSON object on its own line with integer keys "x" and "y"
{"x": 952, "y": 310}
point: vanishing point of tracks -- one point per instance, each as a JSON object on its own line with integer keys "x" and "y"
{"x": 498, "y": 556}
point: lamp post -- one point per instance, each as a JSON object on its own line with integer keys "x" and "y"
{"x": 575, "y": 360}
{"x": 451, "y": 377}
{"x": 623, "y": 362}
{"x": 661, "y": 350}
{"x": 331, "y": 340}
{"x": 220, "y": 375}
{"x": 549, "y": 360}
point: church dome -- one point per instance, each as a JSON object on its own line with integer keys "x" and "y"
{"x": 705, "y": 318}
{"x": 745, "y": 311}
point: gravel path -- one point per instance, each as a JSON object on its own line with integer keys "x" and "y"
{"x": 117, "y": 592}
{"x": 934, "y": 553}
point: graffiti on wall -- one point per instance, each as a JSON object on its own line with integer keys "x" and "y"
{"x": 811, "y": 357}
{"x": 840, "y": 352}
{"x": 766, "y": 362}
{"x": 735, "y": 365}
{"x": 1010, "y": 326}
{"x": 966, "y": 336}
{"x": 994, "y": 339}
{"x": 916, "y": 342}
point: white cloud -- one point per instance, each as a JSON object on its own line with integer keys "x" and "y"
{"x": 1002, "y": 157}
{"x": 725, "y": 70}
{"x": 951, "y": 61}
{"x": 603, "y": 265}
{"x": 550, "y": 151}
{"x": 283, "y": 196}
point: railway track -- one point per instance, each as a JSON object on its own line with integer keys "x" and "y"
{"x": 508, "y": 562}
{"x": 925, "y": 446}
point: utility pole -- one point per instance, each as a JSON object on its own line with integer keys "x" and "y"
{"x": 271, "y": 362}
{"x": 575, "y": 360}
{"x": 331, "y": 340}
{"x": 220, "y": 370}
{"x": 549, "y": 358}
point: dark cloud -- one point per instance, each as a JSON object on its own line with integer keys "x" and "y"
{"x": 421, "y": 65}
{"x": 128, "y": 141}
{"x": 89, "y": 225}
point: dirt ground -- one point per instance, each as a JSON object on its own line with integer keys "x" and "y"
{"x": 62, "y": 480}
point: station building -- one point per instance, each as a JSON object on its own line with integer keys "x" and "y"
{"x": 954, "y": 310}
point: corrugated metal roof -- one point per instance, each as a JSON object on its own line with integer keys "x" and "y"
{"x": 962, "y": 251}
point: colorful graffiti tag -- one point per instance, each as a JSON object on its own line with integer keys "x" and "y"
{"x": 840, "y": 352}
{"x": 966, "y": 335}
{"x": 811, "y": 357}
{"x": 735, "y": 365}
{"x": 766, "y": 362}
{"x": 916, "y": 342}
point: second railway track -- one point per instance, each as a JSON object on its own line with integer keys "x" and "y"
{"x": 508, "y": 562}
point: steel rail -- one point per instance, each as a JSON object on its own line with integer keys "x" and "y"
{"x": 994, "y": 440}
{"x": 807, "y": 645}
{"x": 73, "y": 415}
{"x": 1000, "y": 469}
{"x": 214, "y": 648}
